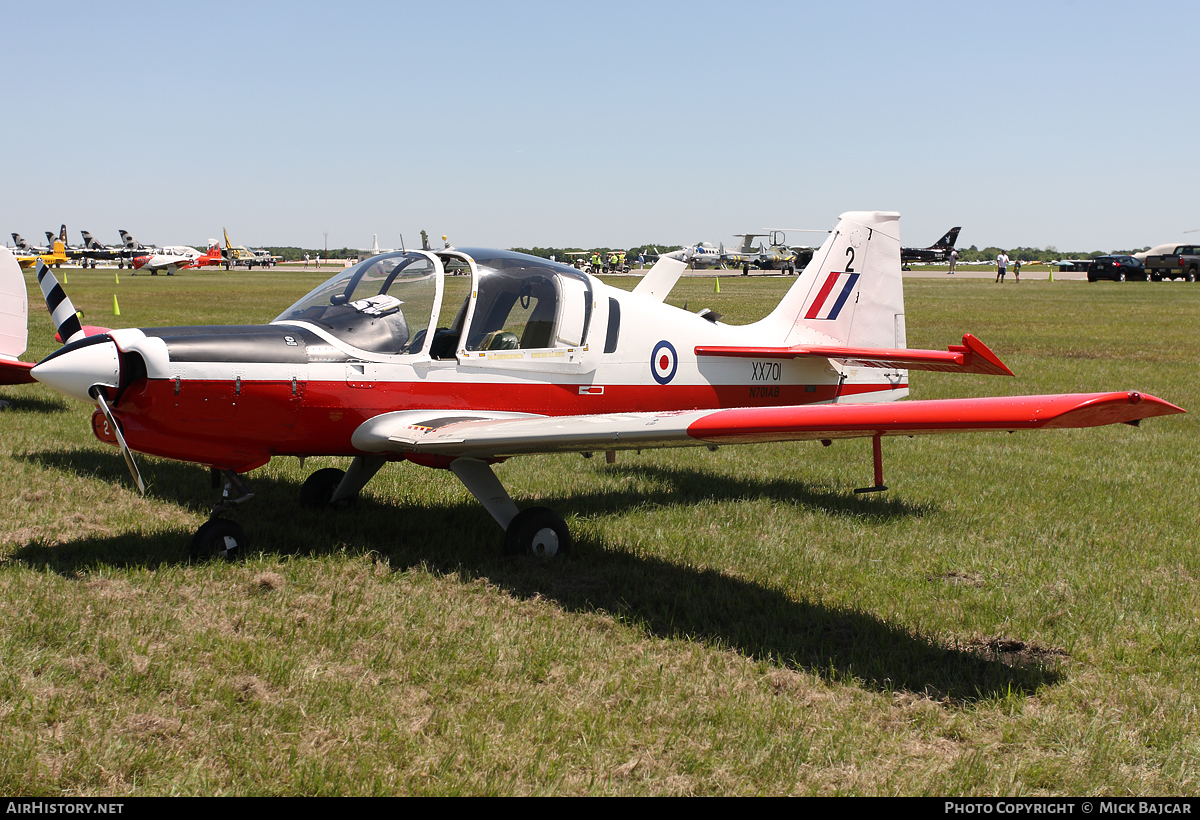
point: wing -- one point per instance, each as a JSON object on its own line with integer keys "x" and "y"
{"x": 972, "y": 356}
{"x": 445, "y": 433}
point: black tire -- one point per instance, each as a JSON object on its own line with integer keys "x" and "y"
{"x": 1121, "y": 277}
{"x": 219, "y": 538}
{"x": 1191, "y": 275}
{"x": 539, "y": 532}
{"x": 319, "y": 487}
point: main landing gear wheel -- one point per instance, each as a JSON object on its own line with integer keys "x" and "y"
{"x": 219, "y": 538}
{"x": 319, "y": 487}
{"x": 537, "y": 531}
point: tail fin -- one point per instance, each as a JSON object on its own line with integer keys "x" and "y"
{"x": 129, "y": 242}
{"x": 62, "y": 233}
{"x": 948, "y": 240}
{"x": 50, "y": 237}
{"x": 851, "y": 293}
{"x": 66, "y": 322}
{"x": 20, "y": 241}
{"x": 89, "y": 241}
{"x": 226, "y": 233}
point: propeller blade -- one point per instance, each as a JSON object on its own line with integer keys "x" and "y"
{"x": 66, "y": 322}
{"x": 125, "y": 451}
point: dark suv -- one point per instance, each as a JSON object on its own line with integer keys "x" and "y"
{"x": 1116, "y": 268}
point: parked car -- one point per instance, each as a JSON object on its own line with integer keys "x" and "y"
{"x": 1117, "y": 268}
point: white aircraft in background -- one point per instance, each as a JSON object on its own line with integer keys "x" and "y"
{"x": 174, "y": 258}
{"x": 700, "y": 255}
{"x": 374, "y": 250}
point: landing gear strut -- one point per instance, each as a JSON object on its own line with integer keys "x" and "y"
{"x": 219, "y": 537}
{"x": 877, "y": 454}
{"x": 333, "y": 488}
{"x": 536, "y": 531}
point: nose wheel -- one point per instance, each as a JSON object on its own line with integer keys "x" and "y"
{"x": 220, "y": 538}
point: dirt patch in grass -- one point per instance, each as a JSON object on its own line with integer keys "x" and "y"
{"x": 266, "y": 581}
{"x": 970, "y": 579}
{"x": 147, "y": 726}
{"x": 1014, "y": 652}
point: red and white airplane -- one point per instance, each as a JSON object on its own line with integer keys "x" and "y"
{"x": 461, "y": 358}
{"x": 174, "y": 258}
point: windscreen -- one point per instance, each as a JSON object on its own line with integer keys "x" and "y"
{"x": 382, "y": 304}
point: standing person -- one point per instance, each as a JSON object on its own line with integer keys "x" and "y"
{"x": 1017, "y": 271}
{"x": 1001, "y": 266}
{"x": 953, "y": 260}
{"x": 306, "y": 260}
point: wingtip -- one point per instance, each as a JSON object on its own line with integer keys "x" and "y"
{"x": 1163, "y": 407}
{"x": 1112, "y": 408}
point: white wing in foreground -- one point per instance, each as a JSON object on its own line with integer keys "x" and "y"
{"x": 498, "y": 435}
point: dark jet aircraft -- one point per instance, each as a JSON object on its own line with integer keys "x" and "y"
{"x": 937, "y": 252}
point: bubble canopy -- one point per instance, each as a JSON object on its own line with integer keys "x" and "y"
{"x": 383, "y": 304}
{"x": 388, "y": 303}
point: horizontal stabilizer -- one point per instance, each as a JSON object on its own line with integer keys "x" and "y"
{"x": 659, "y": 280}
{"x": 14, "y": 308}
{"x": 456, "y": 434}
{"x": 972, "y": 356}
{"x": 14, "y": 372}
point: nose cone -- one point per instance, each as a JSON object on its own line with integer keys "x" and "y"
{"x": 74, "y": 369}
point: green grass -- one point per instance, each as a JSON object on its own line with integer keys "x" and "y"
{"x": 1016, "y": 616}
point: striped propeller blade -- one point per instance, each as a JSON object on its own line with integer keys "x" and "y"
{"x": 66, "y": 322}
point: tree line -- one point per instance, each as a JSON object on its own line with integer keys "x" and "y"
{"x": 1046, "y": 254}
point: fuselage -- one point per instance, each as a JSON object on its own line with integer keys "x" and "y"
{"x": 508, "y": 333}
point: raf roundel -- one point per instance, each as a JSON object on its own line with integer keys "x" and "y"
{"x": 663, "y": 362}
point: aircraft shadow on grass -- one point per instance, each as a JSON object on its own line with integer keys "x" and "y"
{"x": 689, "y": 485}
{"x": 32, "y": 404}
{"x": 664, "y": 599}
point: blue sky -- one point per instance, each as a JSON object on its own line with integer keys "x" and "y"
{"x": 1059, "y": 122}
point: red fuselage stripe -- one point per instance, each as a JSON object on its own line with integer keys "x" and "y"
{"x": 209, "y": 422}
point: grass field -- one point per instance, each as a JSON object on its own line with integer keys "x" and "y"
{"x": 1016, "y": 616}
